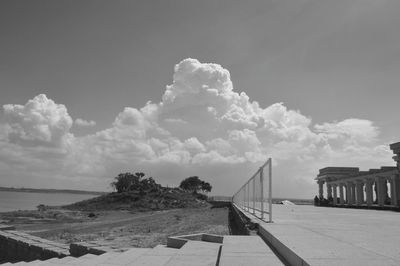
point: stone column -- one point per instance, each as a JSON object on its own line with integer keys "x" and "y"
{"x": 328, "y": 190}
{"x": 379, "y": 196}
{"x": 360, "y": 193}
{"x": 396, "y": 184}
{"x": 385, "y": 194}
{"x": 395, "y": 147}
{"x": 348, "y": 193}
{"x": 353, "y": 193}
{"x": 393, "y": 191}
{"x": 341, "y": 194}
{"x": 369, "y": 192}
{"x": 334, "y": 194}
{"x": 321, "y": 188}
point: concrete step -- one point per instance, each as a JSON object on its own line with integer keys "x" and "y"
{"x": 66, "y": 260}
{"x": 163, "y": 250}
{"x": 103, "y": 258}
{"x": 196, "y": 253}
{"x": 82, "y": 260}
{"x": 44, "y": 262}
{"x": 126, "y": 258}
{"x": 55, "y": 261}
{"x": 158, "y": 256}
{"x": 247, "y": 250}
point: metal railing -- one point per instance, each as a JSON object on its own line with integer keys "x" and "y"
{"x": 255, "y": 196}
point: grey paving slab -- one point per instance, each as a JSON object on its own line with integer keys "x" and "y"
{"x": 245, "y": 244}
{"x": 191, "y": 260}
{"x": 199, "y": 248}
{"x": 196, "y": 253}
{"x": 352, "y": 262}
{"x": 246, "y": 261}
{"x": 247, "y": 250}
{"x": 161, "y": 250}
{"x": 153, "y": 260}
{"x": 337, "y": 236}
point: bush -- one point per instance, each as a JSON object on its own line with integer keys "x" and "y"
{"x": 194, "y": 184}
{"x": 129, "y": 182}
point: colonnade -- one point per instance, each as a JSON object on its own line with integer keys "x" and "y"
{"x": 349, "y": 186}
{"x": 378, "y": 190}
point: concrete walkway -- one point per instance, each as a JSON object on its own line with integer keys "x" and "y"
{"x": 308, "y": 235}
{"x": 247, "y": 250}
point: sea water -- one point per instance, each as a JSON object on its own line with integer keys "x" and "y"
{"x": 12, "y": 201}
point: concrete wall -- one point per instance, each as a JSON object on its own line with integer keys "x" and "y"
{"x": 239, "y": 224}
{"x": 19, "y": 246}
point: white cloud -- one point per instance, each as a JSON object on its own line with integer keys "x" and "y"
{"x": 201, "y": 127}
{"x": 39, "y": 122}
{"x": 355, "y": 131}
{"x": 84, "y": 123}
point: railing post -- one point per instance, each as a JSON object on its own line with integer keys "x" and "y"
{"x": 248, "y": 196}
{"x": 254, "y": 196}
{"x": 244, "y": 198}
{"x": 262, "y": 192}
{"x": 270, "y": 190}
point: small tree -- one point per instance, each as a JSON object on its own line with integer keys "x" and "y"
{"x": 127, "y": 181}
{"x": 206, "y": 187}
{"x": 194, "y": 184}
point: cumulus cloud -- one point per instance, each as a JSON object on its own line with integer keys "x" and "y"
{"x": 39, "y": 122}
{"x": 201, "y": 127}
{"x": 84, "y": 123}
{"x": 355, "y": 131}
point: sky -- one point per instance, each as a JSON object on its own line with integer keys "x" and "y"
{"x": 90, "y": 89}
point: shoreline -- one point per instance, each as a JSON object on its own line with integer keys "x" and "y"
{"x": 51, "y": 190}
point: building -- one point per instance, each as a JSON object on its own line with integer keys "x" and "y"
{"x": 348, "y": 186}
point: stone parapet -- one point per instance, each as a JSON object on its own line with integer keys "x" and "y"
{"x": 338, "y": 170}
{"x": 19, "y": 246}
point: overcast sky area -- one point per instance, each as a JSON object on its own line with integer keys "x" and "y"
{"x": 90, "y": 89}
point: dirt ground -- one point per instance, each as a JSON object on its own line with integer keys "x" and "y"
{"x": 120, "y": 229}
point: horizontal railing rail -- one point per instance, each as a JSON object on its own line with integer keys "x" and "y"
{"x": 220, "y": 198}
{"x": 255, "y": 196}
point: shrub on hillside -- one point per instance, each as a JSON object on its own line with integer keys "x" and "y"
{"x": 129, "y": 182}
{"x": 194, "y": 184}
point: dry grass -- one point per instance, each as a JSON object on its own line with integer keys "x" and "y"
{"x": 124, "y": 228}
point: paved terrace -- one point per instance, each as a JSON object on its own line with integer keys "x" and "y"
{"x": 310, "y": 235}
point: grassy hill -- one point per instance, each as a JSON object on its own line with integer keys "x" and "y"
{"x": 161, "y": 198}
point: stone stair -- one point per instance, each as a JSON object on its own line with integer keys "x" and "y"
{"x": 234, "y": 250}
